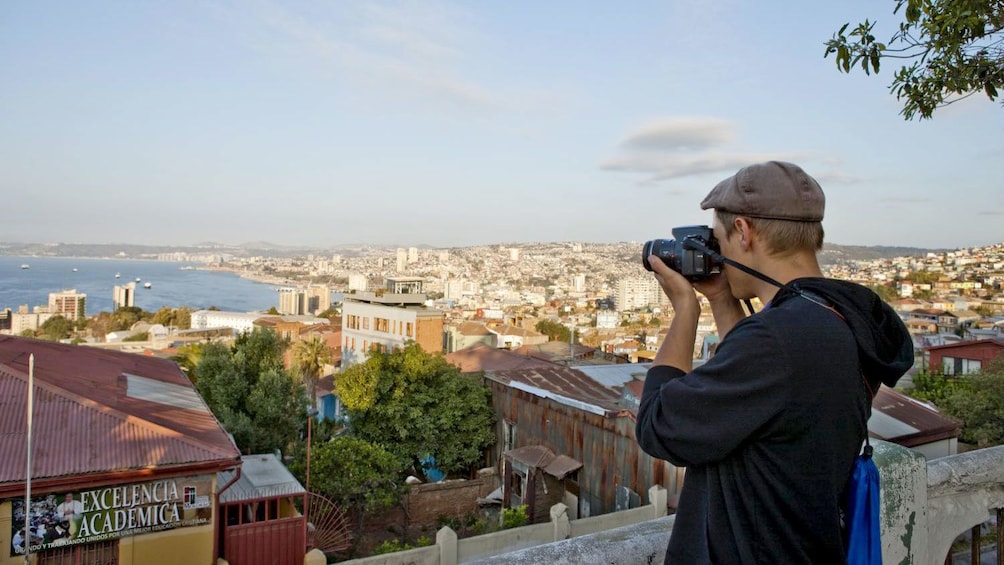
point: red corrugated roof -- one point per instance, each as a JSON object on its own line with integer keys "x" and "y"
{"x": 84, "y": 422}
{"x": 931, "y": 424}
{"x": 569, "y": 383}
{"x": 481, "y": 357}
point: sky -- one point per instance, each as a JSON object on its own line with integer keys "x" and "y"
{"x": 462, "y": 123}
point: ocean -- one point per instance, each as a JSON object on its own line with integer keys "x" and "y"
{"x": 171, "y": 284}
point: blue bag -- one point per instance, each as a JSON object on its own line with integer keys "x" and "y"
{"x": 864, "y": 542}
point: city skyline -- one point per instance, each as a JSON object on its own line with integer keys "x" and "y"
{"x": 453, "y": 124}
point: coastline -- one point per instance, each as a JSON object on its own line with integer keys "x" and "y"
{"x": 251, "y": 275}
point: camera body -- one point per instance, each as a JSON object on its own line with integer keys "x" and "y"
{"x": 693, "y": 264}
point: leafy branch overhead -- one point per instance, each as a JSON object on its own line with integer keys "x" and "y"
{"x": 950, "y": 49}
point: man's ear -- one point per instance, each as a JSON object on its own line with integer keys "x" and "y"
{"x": 745, "y": 232}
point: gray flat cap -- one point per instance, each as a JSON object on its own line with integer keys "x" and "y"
{"x": 775, "y": 190}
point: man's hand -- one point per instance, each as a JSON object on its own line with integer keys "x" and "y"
{"x": 715, "y": 288}
{"x": 678, "y": 289}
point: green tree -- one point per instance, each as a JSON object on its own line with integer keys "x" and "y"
{"x": 416, "y": 404}
{"x": 188, "y": 357}
{"x": 361, "y": 477}
{"x": 979, "y": 403}
{"x": 124, "y": 318}
{"x": 555, "y": 331}
{"x": 55, "y": 328}
{"x": 180, "y": 318}
{"x": 951, "y": 49}
{"x": 330, "y": 313}
{"x": 885, "y": 292}
{"x": 309, "y": 358}
{"x": 272, "y": 311}
{"x": 250, "y": 392}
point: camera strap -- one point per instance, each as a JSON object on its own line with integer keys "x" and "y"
{"x": 698, "y": 246}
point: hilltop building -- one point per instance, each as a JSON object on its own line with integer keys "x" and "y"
{"x": 387, "y": 319}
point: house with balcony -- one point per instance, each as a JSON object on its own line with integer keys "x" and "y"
{"x": 945, "y": 321}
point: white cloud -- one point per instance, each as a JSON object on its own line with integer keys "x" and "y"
{"x": 683, "y": 146}
{"x": 681, "y": 133}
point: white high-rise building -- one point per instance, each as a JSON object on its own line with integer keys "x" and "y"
{"x": 292, "y": 301}
{"x": 579, "y": 283}
{"x": 317, "y": 299}
{"x": 124, "y": 296}
{"x": 413, "y": 255}
{"x": 357, "y": 281}
{"x": 514, "y": 254}
{"x": 402, "y": 259}
{"x": 638, "y": 292}
{"x": 69, "y": 304}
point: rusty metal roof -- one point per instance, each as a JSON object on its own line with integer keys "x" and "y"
{"x": 564, "y": 385}
{"x": 555, "y": 350}
{"x": 541, "y": 457}
{"x": 99, "y": 411}
{"x": 900, "y": 419}
{"x": 482, "y": 357}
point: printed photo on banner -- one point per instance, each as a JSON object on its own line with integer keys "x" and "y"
{"x": 109, "y": 512}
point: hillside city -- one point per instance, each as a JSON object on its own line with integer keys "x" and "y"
{"x": 555, "y": 338}
{"x": 600, "y": 290}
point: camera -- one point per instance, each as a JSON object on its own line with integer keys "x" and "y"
{"x": 694, "y": 264}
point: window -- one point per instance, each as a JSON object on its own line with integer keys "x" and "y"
{"x": 409, "y": 330}
{"x": 366, "y": 323}
{"x": 99, "y": 553}
{"x": 381, "y": 324}
{"x": 508, "y": 435}
{"x": 959, "y": 366}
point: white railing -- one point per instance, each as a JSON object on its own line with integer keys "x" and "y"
{"x": 925, "y": 507}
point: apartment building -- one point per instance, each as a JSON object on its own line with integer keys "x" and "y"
{"x": 386, "y": 320}
{"x": 69, "y": 304}
{"x": 638, "y": 292}
{"x": 124, "y": 296}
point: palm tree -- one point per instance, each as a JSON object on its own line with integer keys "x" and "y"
{"x": 309, "y": 358}
{"x": 188, "y": 358}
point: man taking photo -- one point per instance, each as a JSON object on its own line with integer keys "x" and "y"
{"x": 769, "y": 427}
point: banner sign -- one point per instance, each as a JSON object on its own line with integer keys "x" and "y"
{"x": 110, "y": 512}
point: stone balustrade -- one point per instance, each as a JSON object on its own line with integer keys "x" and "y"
{"x": 926, "y": 505}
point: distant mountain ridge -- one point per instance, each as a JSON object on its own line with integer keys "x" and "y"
{"x": 832, "y": 253}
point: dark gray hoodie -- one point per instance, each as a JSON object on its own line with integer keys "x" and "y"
{"x": 769, "y": 427}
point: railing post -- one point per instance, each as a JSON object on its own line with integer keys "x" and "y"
{"x": 446, "y": 539}
{"x": 903, "y": 473}
{"x": 658, "y": 497}
{"x": 559, "y": 518}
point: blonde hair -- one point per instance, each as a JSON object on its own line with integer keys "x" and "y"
{"x": 783, "y": 237}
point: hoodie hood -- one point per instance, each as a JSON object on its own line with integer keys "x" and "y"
{"x": 884, "y": 345}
